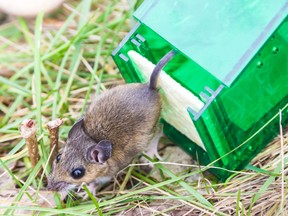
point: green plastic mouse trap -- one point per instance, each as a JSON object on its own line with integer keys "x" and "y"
{"x": 223, "y": 92}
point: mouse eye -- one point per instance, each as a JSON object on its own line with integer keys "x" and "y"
{"x": 58, "y": 158}
{"x": 78, "y": 173}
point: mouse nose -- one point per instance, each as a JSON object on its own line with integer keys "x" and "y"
{"x": 56, "y": 186}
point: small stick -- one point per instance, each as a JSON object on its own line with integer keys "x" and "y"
{"x": 28, "y": 132}
{"x": 53, "y": 127}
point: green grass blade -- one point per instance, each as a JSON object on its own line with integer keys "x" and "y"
{"x": 37, "y": 71}
{"x": 17, "y": 148}
{"x": 10, "y": 173}
{"x": 93, "y": 200}
{"x": 25, "y": 29}
{"x": 31, "y": 178}
{"x": 68, "y": 21}
{"x": 75, "y": 64}
{"x": 193, "y": 192}
{"x": 85, "y": 9}
{"x": 58, "y": 83}
{"x": 17, "y": 122}
{"x": 46, "y": 75}
{"x": 238, "y": 203}
{"x": 12, "y": 109}
{"x": 267, "y": 183}
{"x": 259, "y": 170}
{"x": 7, "y": 82}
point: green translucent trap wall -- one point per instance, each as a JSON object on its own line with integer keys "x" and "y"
{"x": 242, "y": 98}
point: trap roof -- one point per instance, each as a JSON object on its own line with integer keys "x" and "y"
{"x": 220, "y": 35}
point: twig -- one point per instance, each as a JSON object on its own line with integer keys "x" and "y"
{"x": 53, "y": 127}
{"x": 28, "y": 132}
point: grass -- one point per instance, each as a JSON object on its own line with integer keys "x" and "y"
{"x": 51, "y": 67}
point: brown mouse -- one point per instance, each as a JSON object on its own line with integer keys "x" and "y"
{"x": 116, "y": 127}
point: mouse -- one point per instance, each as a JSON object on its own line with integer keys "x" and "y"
{"x": 117, "y": 126}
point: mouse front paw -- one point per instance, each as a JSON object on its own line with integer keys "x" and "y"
{"x": 95, "y": 186}
{"x": 92, "y": 187}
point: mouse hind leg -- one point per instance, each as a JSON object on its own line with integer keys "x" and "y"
{"x": 152, "y": 149}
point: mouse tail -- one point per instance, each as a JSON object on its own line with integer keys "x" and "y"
{"x": 156, "y": 71}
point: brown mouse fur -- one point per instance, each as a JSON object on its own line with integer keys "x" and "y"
{"x": 126, "y": 116}
{"x": 118, "y": 125}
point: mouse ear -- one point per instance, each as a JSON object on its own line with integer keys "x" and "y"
{"x": 78, "y": 126}
{"x": 100, "y": 153}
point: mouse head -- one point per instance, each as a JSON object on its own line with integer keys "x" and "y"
{"x": 82, "y": 160}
